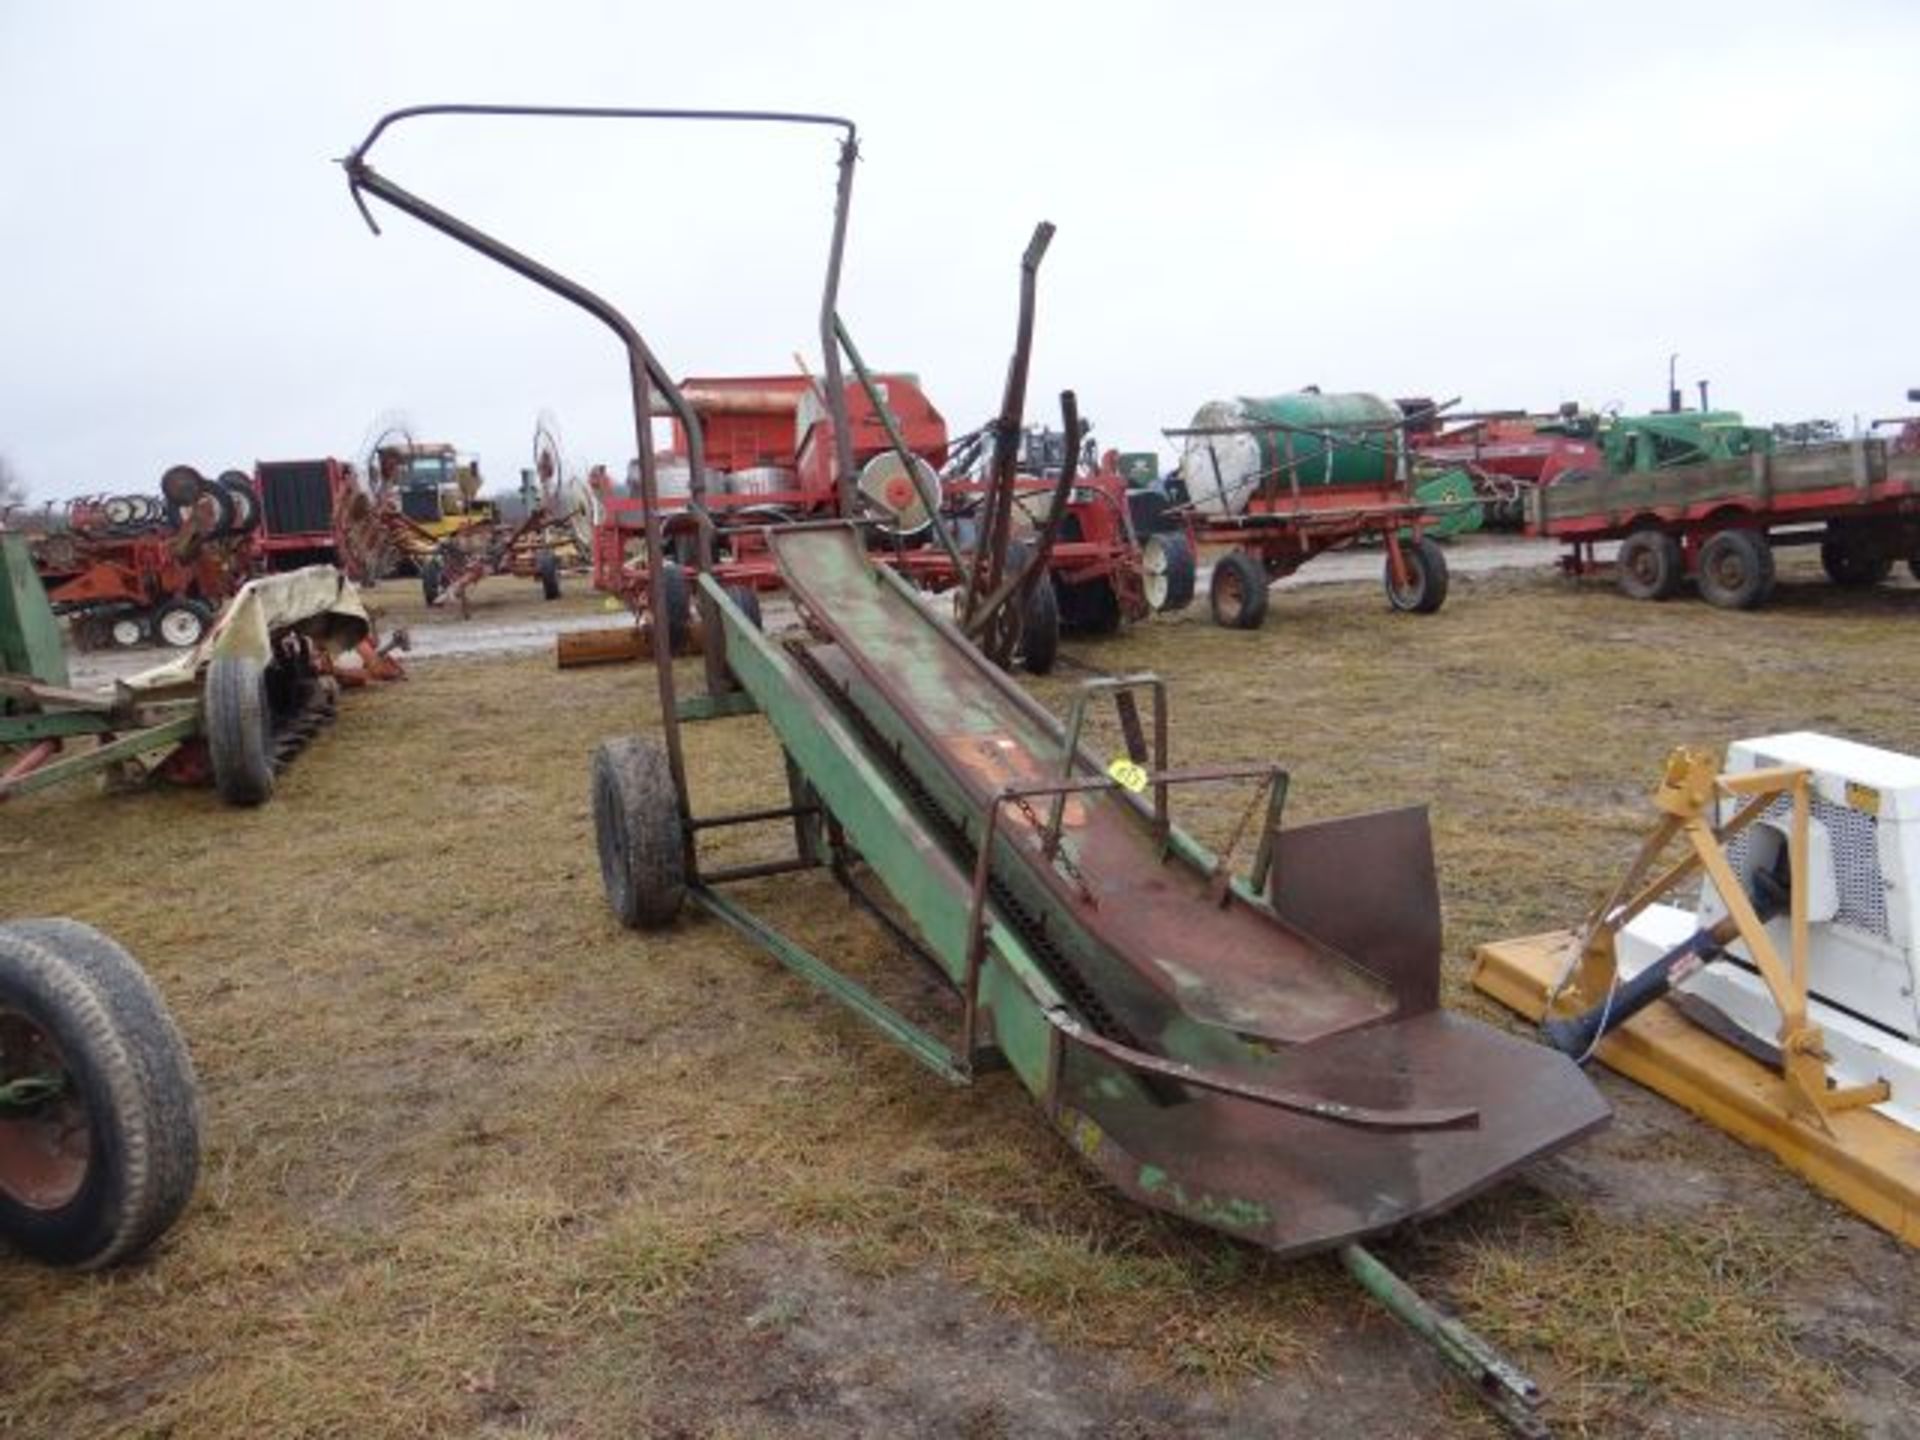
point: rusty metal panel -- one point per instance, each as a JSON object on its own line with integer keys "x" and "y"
{"x": 1365, "y": 885}
{"x": 1293, "y": 1183}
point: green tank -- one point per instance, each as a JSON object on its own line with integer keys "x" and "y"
{"x": 1320, "y": 440}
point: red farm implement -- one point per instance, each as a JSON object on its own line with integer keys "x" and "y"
{"x": 769, "y": 452}
{"x": 130, "y": 567}
{"x": 1508, "y": 454}
{"x": 1285, "y": 478}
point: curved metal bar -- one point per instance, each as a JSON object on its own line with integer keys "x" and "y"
{"x": 644, "y": 369}
{"x": 1318, "y": 1107}
{"x": 598, "y": 112}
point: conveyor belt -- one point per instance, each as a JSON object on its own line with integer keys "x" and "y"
{"x": 1154, "y": 944}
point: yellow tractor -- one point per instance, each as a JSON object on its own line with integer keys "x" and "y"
{"x": 434, "y": 487}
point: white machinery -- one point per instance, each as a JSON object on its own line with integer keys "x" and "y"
{"x": 1784, "y": 1003}
{"x": 1863, "y": 913}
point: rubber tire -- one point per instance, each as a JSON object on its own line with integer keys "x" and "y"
{"x": 430, "y": 578}
{"x": 1040, "y": 628}
{"x": 131, "y": 1068}
{"x": 180, "y": 486}
{"x": 223, "y": 509}
{"x": 1179, "y": 573}
{"x": 1846, "y": 565}
{"x": 1747, "y": 560}
{"x": 1090, "y": 608}
{"x": 1237, "y": 570}
{"x": 1650, "y": 566}
{"x": 198, "y": 609}
{"x": 242, "y": 498}
{"x": 117, "y": 636}
{"x": 679, "y": 598}
{"x": 636, "y": 821}
{"x": 1427, "y": 563}
{"x": 239, "y": 724}
{"x": 546, "y": 566}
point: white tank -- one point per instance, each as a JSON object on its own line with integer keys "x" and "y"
{"x": 1220, "y": 471}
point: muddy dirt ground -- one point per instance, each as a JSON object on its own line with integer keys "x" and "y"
{"x": 481, "y": 1162}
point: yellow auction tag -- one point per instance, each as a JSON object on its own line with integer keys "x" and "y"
{"x": 1131, "y": 776}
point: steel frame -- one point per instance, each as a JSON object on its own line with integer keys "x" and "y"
{"x": 1033, "y": 1024}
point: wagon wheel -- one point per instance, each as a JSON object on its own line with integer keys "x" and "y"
{"x": 636, "y": 819}
{"x": 1167, "y": 570}
{"x": 1238, "y": 591}
{"x": 1425, "y": 587}
{"x": 126, "y": 630}
{"x": 238, "y": 714}
{"x": 182, "y": 623}
{"x": 99, "y": 1121}
{"x": 1649, "y": 566}
{"x": 1735, "y": 570}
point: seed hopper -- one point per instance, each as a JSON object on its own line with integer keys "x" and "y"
{"x": 1260, "y": 1052}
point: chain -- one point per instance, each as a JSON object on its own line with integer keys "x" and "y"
{"x": 1223, "y": 866}
{"x": 1060, "y": 856}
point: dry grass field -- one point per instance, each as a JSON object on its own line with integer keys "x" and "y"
{"x": 481, "y": 1162}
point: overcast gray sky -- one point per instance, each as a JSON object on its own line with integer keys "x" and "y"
{"x": 1517, "y": 203}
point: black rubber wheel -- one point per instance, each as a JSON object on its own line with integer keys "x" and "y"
{"x": 1166, "y": 564}
{"x": 546, "y": 566}
{"x": 1426, "y": 587}
{"x": 241, "y": 496}
{"x": 1040, "y": 627}
{"x": 1850, "y": 563}
{"x": 431, "y": 578}
{"x": 1650, "y": 566}
{"x": 1090, "y": 608}
{"x": 98, "y": 1169}
{"x": 127, "y": 629}
{"x": 181, "y": 486}
{"x": 1913, "y": 566}
{"x": 181, "y": 623}
{"x": 217, "y": 499}
{"x": 1736, "y": 570}
{"x": 1239, "y": 591}
{"x": 636, "y": 819}
{"x": 239, "y": 723}
{"x": 679, "y": 597}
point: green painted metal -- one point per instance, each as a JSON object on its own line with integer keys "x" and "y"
{"x": 1362, "y": 451}
{"x": 157, "y": 737}
{"x": 1140, "y": 468}
{"x": 890, "y": 836}
{"x": 29, "y": 633}
{"x": 918, "y": 1043}
{"x": 1508, "y": 1392}
{"x": 52, "y": 725}
{"x": 25, "y": 728}
{"x": 1660, "y": 441}
{"x": 1456, "y": 509}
